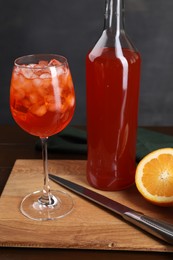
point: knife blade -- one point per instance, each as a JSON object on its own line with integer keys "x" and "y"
{"x": 161, "y": 229}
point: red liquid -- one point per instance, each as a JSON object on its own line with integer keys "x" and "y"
{"x": 112, "y": 109}
{"x": 42, "y": 106}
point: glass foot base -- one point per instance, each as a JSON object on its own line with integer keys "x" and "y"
{"x": 33, "y": 207}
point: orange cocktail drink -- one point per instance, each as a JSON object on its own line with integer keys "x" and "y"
{"x": 42, "y": 98}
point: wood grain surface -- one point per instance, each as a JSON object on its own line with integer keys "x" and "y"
{"x": 86, "y": 227}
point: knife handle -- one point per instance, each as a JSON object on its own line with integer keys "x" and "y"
{"x": 160, "y": 229}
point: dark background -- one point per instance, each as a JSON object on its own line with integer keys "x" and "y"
{"x": 71, "y": 28}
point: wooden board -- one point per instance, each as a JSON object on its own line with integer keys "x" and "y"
{"x": 86, "y": 227}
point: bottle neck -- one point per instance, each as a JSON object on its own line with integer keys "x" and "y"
{"x": 114, "y": 16}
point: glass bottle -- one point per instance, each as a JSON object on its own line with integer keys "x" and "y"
{"x": 112, "y": 82}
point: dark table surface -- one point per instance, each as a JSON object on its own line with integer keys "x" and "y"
{"x": 16, "y": 144}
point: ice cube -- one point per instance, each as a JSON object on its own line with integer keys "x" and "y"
{"x": 18, "y": 79}
{"x": 33, "y": 98}
{"x": 52, "y": 107}
{"x": 45, "y": 76}
{"x": 51, "y": 103}
{"x": 37, "y": 82}
{"x": 54, "y": 62}
{"x": 26, "y": 103}
{"x": 32, "y": 71}
{"x": 43, "y": 63}
{"x": 61, "y": 71}
{"x": 38, "y": 110}
{"x": 31, "y": 65}
{"x": 28, "y": 73}
{"x": 19, "y": 94}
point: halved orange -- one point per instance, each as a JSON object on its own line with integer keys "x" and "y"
{"x": 154, "y": 177}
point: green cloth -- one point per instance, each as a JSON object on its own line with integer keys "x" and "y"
{"x": 70, "y": 140}
{"x": 74, "y": 140}
{"x": 148, "y": 141}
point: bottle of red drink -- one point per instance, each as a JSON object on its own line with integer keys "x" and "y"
{"x": 112, "y": 78}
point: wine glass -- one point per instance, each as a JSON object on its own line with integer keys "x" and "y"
{"x": 42, "y": 102}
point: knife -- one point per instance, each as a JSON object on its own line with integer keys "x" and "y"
{"x": 160, "y": 229}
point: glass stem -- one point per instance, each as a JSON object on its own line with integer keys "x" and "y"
{"x": 46, "y": 197}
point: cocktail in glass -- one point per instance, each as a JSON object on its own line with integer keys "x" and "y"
{"x": 42, "y": 102}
